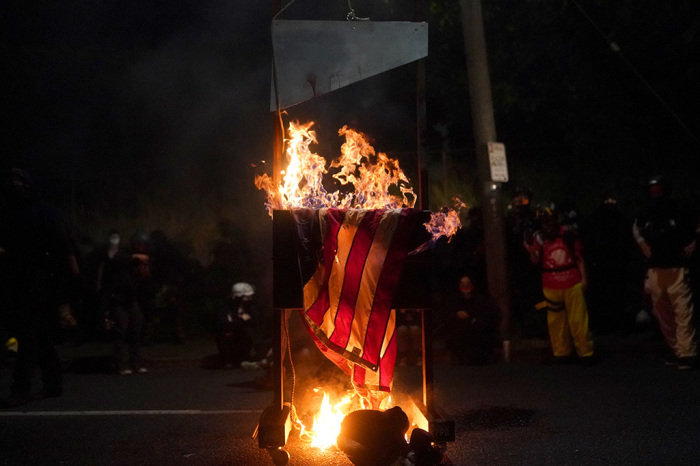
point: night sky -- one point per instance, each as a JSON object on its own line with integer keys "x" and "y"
{"x": 122, "y": 97}
{"x": 155, "y": 114}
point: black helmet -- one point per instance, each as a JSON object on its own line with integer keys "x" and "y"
{"x": 520, "y": 190}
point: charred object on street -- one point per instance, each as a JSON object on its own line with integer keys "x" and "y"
{"x": 374, "y": 438}
{"x": 377, "y": 438}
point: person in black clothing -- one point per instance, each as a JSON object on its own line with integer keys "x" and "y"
{"x": 234, "y": 337}
{"x": 613, "y": 269}
{"x": 472, "y": 325}
{"x": 525, "y": 286}
{"x": 667, "y": 237}
{"x": 169, "y": 269}
{"x": 695, "y": 272}
{"x": 35, "y": 251}
{"x": 117, "y": 285}
{"x": 141, "y": 261}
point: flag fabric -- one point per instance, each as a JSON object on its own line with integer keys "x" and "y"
{"x": 351, "y": 265}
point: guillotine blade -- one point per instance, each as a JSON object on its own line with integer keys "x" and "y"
{"x": 312, "y": 58}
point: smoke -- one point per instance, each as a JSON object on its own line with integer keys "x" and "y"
{"x": 198, "y": 100}
{"x": 150, "y": 115}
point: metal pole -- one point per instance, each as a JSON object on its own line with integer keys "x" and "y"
{"x": 427, "y": 347}
{"x": 421, "y": 119}
{"x": 277, "y": 314}
{"x": 278, "y": 358}
{"x": 485, "y": 132}
{"x": 278, "y": 130}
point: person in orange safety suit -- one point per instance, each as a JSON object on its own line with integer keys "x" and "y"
{"x": 558, "y": 252}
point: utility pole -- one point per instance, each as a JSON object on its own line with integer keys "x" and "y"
{"x": 489, "y": 192}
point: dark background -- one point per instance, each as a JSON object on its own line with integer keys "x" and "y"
{"x": 146, "y": 115}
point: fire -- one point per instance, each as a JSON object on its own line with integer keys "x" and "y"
{"x": 446, "y": 222}
{"x": 377, "y": 180}
{"x": 329, "y": 417}
{"x": 327, "y": 422}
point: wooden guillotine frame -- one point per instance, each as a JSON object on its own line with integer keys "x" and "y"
{"x": 300, "y": 75}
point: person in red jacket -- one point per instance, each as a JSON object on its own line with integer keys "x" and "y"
{"x": 558, "y": 251}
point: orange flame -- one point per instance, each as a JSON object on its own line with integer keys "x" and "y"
{"x": 327, "y": 422}
{"x": 378, "y": 180}
{"x": 329, "y": 417}
{"x": 446, "y": 222}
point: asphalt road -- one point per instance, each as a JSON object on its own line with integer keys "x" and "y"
{"x": 628, "y": 409}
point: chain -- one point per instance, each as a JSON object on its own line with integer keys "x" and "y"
{"x": 351, "y": 16}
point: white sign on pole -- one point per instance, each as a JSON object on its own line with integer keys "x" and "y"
{"x": 498, "y": 162}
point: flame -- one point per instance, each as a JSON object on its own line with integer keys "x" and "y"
{"x": 327, "y": 421}
{"x": 377, "y": 180}
{"x": 446, "y": 222}
{"x": 329, "y": 417}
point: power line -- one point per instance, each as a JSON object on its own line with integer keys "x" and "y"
{"x": 615, "y": 48}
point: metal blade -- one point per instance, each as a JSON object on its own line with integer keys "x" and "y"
{"x": 312, "y": 58}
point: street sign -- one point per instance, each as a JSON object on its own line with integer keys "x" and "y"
{"x": 498, "y": 162}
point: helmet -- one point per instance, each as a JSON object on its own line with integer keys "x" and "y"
{"x": 242, "y": 289}
{"x": 658, "y": 179}
{"x": 522, "y": 191}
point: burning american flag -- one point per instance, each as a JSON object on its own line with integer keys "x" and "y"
{"x": 351, "y": 282}
{"x": 351, "y": 251}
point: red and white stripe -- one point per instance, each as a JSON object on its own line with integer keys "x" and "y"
{"x": 347, "y": 301}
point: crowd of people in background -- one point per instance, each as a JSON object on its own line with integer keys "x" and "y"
{"x": 129, "y": 290}
{"x": 571, "y": 277}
